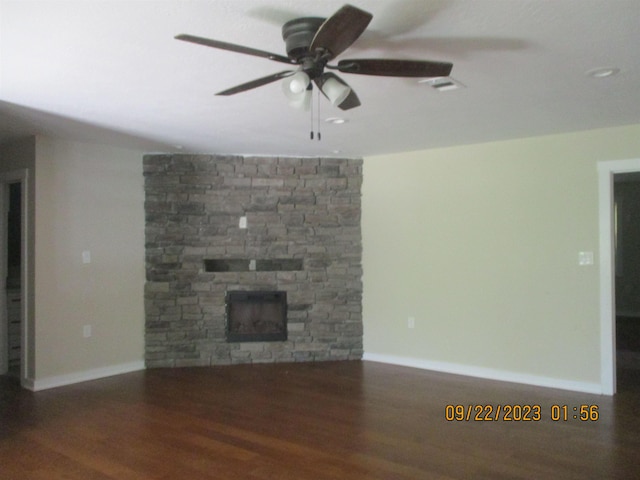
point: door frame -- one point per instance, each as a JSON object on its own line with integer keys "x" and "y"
{"x": 4, "y": 320}
{"x": 16, "y": 176}
{"x": 606, "y": 172}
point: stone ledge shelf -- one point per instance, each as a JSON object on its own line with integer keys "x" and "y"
{"x": 246, "y": 265}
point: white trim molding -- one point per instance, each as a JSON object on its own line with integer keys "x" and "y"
{"x": 84, "y": 376}
{"x": 606, "y": 171}
{"x": 486, "y": 373}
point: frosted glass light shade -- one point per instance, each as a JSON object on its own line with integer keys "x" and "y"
{"x": 335, "y": 91}
{"x": 296, "y": 83}
{"x": 301, "y": 101}
{"x": 296, "y": 89}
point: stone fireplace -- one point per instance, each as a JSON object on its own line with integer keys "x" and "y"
{"x": 221, "y": 231}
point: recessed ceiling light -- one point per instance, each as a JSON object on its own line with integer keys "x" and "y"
{"x": 603, "y": 72}
{"x": 336, "y": 120}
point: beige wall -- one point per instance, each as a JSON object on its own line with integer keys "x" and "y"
{"x": 88, "y": 198}
{"x": 480, "y": 244}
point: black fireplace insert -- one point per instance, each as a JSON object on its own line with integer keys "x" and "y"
{"x": 256, "y": 316}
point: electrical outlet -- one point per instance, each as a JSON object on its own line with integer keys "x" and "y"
{"x": 86, "y": 331}
{"x": 411, "y": 322}
{"x": 243, "y": 222}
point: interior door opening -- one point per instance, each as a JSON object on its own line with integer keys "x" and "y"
{"x": 626, "y": 243}
{"x": 13, "y": 279}
{"x": 607, "y": 172}
{"x": 13, "y": 326}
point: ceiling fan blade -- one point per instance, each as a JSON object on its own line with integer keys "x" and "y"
{"x": 395, "y": 68}
{"x": 350, "y": 101}
{"x": 340, "y": 30}
{"x": 233, "y": 48}
{"x": 257, "y": 83}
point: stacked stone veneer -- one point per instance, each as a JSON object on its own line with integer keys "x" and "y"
{"x": 296, "y": 208}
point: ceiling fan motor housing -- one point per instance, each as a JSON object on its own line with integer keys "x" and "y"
{"x": 298, "y": 35}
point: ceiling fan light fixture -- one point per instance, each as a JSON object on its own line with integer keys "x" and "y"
{"x": 300, "y": 101}
{"x": 297, "y": 83}
{"x": 336, "y": 91}
{"x": 297, "y": 90}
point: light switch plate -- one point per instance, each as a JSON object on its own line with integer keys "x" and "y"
{"x": 243, "y": 222}
{"x": 86, "y": 256}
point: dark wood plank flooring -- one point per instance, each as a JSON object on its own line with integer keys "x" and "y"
{"x": 316, "y": 421}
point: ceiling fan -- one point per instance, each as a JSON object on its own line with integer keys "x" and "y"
{"x": 312, "y": 42}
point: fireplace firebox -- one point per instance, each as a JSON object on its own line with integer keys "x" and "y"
{"x": 256, "y": 316}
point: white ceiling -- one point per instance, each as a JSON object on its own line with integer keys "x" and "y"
{"x": 111, "y": 72}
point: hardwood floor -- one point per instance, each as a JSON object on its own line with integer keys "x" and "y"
{"x": 337, "y": 420}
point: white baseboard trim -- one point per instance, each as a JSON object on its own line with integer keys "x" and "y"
{"x": 487, "y": 373}
{"x": 84, "y": 376}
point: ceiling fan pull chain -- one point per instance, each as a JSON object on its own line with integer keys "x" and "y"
{"x": 311, "y": 117}
{"x": 318, "y": 116}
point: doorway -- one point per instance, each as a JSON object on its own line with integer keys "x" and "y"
{"x": 626, "y": 197}
{"x": 607, "y": 172}
{"x": 13, "y": 279}
{"x": 13, "y": 261}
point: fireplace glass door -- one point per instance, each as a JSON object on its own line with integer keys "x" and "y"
{"x": 256, "y": 316}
